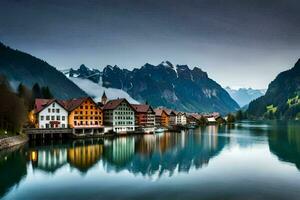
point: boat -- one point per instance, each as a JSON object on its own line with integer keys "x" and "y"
{"x": 159, "y": 130}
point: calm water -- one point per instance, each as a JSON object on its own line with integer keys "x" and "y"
{"x": 246, "y": 161}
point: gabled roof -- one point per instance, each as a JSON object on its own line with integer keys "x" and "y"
{"x": 142, "y": 108}
{"x": 113, "y": 104}
{"x": 72, "y": 104}
{"x": 159, "y": 111}
{"x": 41, "y": 104}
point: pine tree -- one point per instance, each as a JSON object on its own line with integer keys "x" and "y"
{"x": 36, "y": 91}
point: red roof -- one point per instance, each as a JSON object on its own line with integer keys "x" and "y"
{"x": 41, "y": 104}
{"x": 113, "y": 104}
{"x": 159, "y": 111}
{"x": 141, "y": 108}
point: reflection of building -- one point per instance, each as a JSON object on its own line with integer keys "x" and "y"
{"x": 85, "y": 156}
{"x": 120, "y": 151}
{"x": 48, "y": 159}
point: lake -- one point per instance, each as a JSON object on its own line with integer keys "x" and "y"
{"x": 248, "y": 160}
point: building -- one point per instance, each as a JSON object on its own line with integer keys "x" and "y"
{"x": 50, "y": 113}
{"x": 84, "y": 113}
{"x": 181, "y": 118}
{"x": 144, "y": 117}
{"x": 172, "y": 116}
{"x": 120, "y": 115}
{"x": 161, "y": 117}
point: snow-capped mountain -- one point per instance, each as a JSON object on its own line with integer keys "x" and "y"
{"x": 244, "y": 96}
{"x": 173, "y": 86}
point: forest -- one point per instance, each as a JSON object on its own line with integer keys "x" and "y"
{"x": 15, "y": 105}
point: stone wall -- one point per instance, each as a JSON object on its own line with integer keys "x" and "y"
{"x": 12, "y": 141}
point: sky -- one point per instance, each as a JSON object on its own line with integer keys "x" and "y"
{"x": 239, "y": 43}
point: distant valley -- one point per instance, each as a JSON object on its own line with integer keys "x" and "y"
{"x": 243, "y": 96}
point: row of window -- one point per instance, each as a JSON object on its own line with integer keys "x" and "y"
{"x": 81, "y": 117}
{"x": 49, "y": 126}
{"x": 86, "y": 112}
{"x": 124, "y": 117}
{"x": 63, "y": 118}
{"x": 124, "y": 123}
{"x": 124, "y": 129}
{"x": 87, "y": 107}
{"x": 124, "y": 113}
{"x": 86, "y": 123}
{"x": 53, "y": 110}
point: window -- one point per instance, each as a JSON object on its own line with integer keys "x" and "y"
{"x": 49, "y": 110}
{"x": 81, "y": 112}
{"x": 57, "y": 117}
{"x": 52, "y": 117}
{"x": 53, "y": 105}
{"x": 91, "y": 107}
{"x": 47, "y": 125}
{"x": 63, "y": 118}
{"x": 86, "y": 107}
{"x": 47, "y": 117}
{"x": 53, "y": 110}
{"x": 81, "y": 107}
{"x": 42, "y": 118}
{"x": 75, "y": 123}
{"x": 75, "y": 112}
{"x": 63, "y": 125}
{"x": 57, "y": 110}
{"x": 81, "y": 122}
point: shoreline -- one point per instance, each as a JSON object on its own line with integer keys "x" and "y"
{"x": 12, "y": 141}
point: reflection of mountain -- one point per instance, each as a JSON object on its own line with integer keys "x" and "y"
{"x": 166, "y": 153}
{"x": 12, "y": 169}
{"x": 285, "y": 143}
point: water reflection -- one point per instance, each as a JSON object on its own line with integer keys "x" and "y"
{"x": 284, "y": 141}
{"x": 150, "y": 156}
{"x": 12, "y": 169}
{"x": 146, "y": 155}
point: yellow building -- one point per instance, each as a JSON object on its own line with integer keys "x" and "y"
{"x": 84, "y": 113}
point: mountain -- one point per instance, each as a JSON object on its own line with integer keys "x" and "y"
{"x": 282, "y": 98}
{"x": 177, "y": 87}
{"x": 244, "y": 96}
{"x": 20, "y": 67}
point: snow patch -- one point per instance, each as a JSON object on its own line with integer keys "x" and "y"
{"x": 96, "y": 90}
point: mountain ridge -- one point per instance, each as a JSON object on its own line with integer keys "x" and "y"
{"x": 174, "y": 86}
{"x": 21, "y": 67}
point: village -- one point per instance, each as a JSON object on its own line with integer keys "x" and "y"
{"x": 83, "y": 117}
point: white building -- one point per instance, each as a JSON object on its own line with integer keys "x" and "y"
{"x": 181, "y": 118}
{"x": 50, "y": 113}
{"x": 119, "y": 114}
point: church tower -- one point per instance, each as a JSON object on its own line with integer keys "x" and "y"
{"x": 104, "y": 98}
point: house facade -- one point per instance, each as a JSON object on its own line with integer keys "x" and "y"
{"x": 161, "y": 118}
{"x": 144, "y": 117}
{"x": 84, "y": 113}
{"x": 50, "y": 113}
{"x": 120, "y": 115}
{"x": 181, "y": 118}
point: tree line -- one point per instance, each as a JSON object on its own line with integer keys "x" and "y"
{"x": 15, "y": 105}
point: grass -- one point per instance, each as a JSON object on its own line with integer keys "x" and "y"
{"x": 3, "y": 135}
{"x": 293, "y": 101}
{"x": 271, "y": 108}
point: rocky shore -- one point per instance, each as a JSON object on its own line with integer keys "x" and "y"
{"x": 12, "y": 141}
